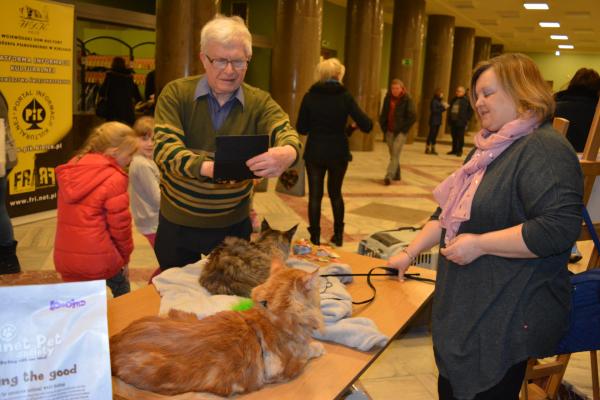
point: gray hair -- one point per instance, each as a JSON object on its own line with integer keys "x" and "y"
{"x": 331, "y": 68}
{"x": 397, "y": 81}
{"x": 226, "y": 30}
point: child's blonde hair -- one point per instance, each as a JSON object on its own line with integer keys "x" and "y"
{"x": 110, "y": 134}
{"x": 144, "y": 126}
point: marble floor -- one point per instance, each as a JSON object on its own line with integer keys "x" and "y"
{"x": 407, "y": 369}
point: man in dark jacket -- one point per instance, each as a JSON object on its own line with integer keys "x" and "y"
{"x": 397, "y": 116}
{"x": 459, "y": 114}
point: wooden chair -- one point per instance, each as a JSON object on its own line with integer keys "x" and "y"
{"x": 542, "y": 379}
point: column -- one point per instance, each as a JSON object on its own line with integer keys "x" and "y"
{"x": 296, "y": 52}
{"x": 438, "y": 61}
{"x": 483, "y": 46}
{"x": 178, "y": 26}
{"x": 496, "y": 50}
{"x": 408, "y": 37}
{"x": 364, "y": 40}
{"x": 462, "y": 58}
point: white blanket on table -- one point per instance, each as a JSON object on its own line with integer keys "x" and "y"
{"x": 179, "y": 289}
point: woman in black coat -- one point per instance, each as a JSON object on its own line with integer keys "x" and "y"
{"x": 323, "y": 116}
{"x": 436, "y": 108}
{"x": 578, "y": 105}
{"x": 120, "y": 92}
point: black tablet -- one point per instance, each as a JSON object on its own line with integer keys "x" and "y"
{"x": 231, "y": 155}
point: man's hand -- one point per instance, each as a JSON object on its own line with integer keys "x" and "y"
{"x": 463, "y": 249}
{"x": 207, "y": 168}
{"x": 272, "y": 163}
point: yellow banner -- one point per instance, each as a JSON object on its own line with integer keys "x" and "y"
{"x": 36, "y": 80}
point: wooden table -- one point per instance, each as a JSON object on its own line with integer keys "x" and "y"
{"x": 326, "y": 377}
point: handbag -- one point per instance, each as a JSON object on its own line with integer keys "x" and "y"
{"x": 102, "y": 106}
{"x": 584, "y": 317}
{"x": 291, "y": 180}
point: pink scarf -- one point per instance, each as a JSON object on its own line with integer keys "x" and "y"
{"x": 455, "y": 194}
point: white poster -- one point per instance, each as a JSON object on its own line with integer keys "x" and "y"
{"x": 54, "y": 342}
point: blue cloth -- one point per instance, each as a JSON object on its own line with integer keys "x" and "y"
{"x": 218, "y": 113}
{"x": 7, "y": 235}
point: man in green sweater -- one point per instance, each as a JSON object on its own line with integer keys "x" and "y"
{"x": 196, "y": 212}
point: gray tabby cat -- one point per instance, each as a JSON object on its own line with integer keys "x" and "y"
{"x": 236, "y": 266}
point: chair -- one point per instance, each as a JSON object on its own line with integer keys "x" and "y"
{"x": 543, "y": 378}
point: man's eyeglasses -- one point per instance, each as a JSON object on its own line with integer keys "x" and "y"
{"x": 221, "y": 63}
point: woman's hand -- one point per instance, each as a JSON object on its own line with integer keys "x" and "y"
{"x": 463, "y": 249}
{"x": 400, "y": 261}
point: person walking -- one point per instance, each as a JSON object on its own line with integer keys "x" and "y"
{"x": 436, "y": 108}
{"x": 397, "y": 116}
{"x": 458, "y": 117}
{"x": 323, "y": 114}
{"x": 120, "y": 93}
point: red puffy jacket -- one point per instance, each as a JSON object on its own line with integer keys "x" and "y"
{"x": 93, "y": 230}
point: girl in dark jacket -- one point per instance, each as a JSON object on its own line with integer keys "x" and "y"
{"x": 120, "y": 92}
{"x": 437, "y": 107}
{"x": 323, "y": 115}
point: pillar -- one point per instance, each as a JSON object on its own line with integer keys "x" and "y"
{"x": 438, "y": 61}
{"x": 483, "y": 47}
{"x": 363, "y": 43}
{"x": 408, "y": 37}
{"x": 496, "y": 50}
{"x": 296, "y": 52}
{"x": 178, "y": 26}
{"x": 462, "y": 58}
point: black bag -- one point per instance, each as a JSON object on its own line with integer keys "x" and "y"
{"x": 102, "y": 107}
{"x": 584, "y": 319}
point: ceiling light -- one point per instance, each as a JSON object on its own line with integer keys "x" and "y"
{"x": 557, "y": 53}
{"x": 536, "y": 6}
{"x": 550, "y": 24}
{"x": 566, "y": 46}
{"x": 559, "y": 37}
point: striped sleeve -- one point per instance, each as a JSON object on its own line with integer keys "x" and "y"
{"x": 170, "y": 153}
{"x": 275, "y": 121}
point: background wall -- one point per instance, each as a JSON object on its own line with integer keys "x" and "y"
{"x": 560, "y": 69}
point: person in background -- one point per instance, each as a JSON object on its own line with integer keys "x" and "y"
{"x": 9, "y": 262}
{"x": 505, "y": 225}
{"x": 578, "y": 104}
{"x": 323, "y": 114}
{"x": 93, "y": 228}
{"x": 397, "y": 116}
{"x": 120, "y": 92}
{"x": 197, "y": 212}
{"x": 436, "y": 108}
{"x": 458, "y": 118}
{"x": 144, "y": 181}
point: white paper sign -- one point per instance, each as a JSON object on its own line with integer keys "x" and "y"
{"x": 54, "y": 342}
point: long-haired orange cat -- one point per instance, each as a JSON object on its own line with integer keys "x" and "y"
{"x": 231, "y": 351}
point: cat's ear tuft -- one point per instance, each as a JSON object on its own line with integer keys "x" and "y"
{"x": 264, "y": 226}
{"x": 311, "y": 280}
{"x": 290, "y": 234}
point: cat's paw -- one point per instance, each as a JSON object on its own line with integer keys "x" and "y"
{"x": 316, "y": 349}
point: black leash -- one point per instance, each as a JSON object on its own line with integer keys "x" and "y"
{"x": 389, "y": 272}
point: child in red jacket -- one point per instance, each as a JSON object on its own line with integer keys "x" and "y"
{"x": 93, "y": 230}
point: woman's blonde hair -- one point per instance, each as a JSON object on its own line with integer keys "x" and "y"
{"x": 110, "y": 134}
{"x": 144, "y": 126}
{"x": 225, "y": 31}
{"x": 522, "y": 81}
{"x": 331, "y": 68}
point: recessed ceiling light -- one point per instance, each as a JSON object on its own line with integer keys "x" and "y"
{"x": 566, "y": 46}
{"x": 550, "y": 24}
{"x": 536, "y": 6}
{"x": 559, "y": 37}
{"x": 557, "y": 53}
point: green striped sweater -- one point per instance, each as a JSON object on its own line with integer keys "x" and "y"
{"x": 185, "y": 137}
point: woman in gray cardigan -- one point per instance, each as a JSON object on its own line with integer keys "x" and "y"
{"x": 506, "y": 222}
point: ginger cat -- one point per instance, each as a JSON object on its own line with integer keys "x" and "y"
{"x": 229, "y": 352}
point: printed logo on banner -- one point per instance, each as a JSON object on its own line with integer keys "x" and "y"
{"x": 33, "y": 19}
{"x": 33, "y": 114}
{"x": 8, "y": 332}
